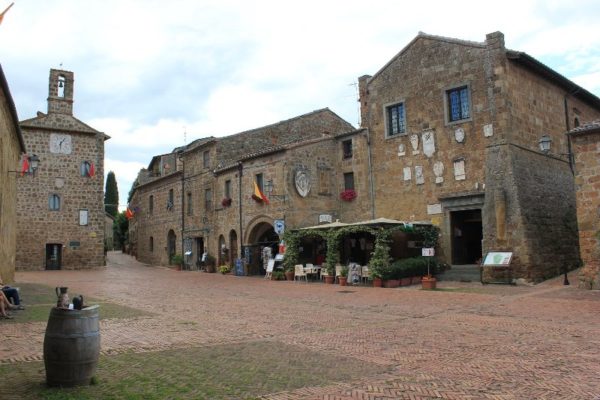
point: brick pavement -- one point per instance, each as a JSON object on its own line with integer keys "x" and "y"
{"x": 496, "y": 342}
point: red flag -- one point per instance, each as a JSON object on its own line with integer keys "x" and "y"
{"x": 4, "y": 12}
{"x": 25, "y": 165}
{"x": 92, "y": 170}
{"x": 128, "y": 213}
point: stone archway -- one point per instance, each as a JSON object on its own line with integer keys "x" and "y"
{"x": 171, "y": 245}
{"x": 261, "y": 235}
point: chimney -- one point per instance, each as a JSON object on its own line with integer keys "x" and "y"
{"x": 363, "y": 98}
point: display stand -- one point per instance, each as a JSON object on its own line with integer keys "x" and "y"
{"x": 498, "y": 261}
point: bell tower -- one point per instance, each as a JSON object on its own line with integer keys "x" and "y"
{"x": 60, "y": 92}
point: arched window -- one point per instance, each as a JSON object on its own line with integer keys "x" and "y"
{"x": 54, "y": 202}
{"x": 61, "y": 86}
{"x": 151, "y": 243}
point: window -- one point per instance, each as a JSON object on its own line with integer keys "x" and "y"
{"x": 576, "y": 122}
{"x": 349, "y": 180}
{"x": 347, "y": 148}
{"x": 189, "y": 203}
{"x": 458, "y": 104}
{"x": 260, "y": 181}
{"x": 170, "y": 200}
{"x": 87, "y": 169}
{"x": 151, "y": 244}
{"x": 54, "y": 202}
{"x": 227, "y": 189}
{"x": 206, "y": 159}
{"x": 396, "y": 120}
{"x": 61, "y": 86}
{"x": 208, "y": 199}
{"x": 150, "y": 204}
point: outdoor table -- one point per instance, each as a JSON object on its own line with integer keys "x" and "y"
{"x": 313, "y": 271}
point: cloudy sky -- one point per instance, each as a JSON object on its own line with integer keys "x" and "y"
{"x": 154, "y": 75}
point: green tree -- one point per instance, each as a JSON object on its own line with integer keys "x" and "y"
{"x": 121, "y": 230}
{"x": 111, "y": 195}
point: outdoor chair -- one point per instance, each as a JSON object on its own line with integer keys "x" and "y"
{"x": 338, "y": 272}
{"x": 310, "y": 270}
{"x": 299, "y": 272}
{"x": 324, "y": 272}
{"x": 366, "y": 274}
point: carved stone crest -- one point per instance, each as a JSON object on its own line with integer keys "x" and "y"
{"x": 401, "y": 149}
{"x": 428, "y": 143}
{"x": 459, "y": 135}
{"x": 302, "y": 181}
{"x": 488, "y": 130}
{"x": 438, "y": 170}
{"x": 414, "y": 142}
{"x": 419, "y": 178}
{"x": 407, "y": 173}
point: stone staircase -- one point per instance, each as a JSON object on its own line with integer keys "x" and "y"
{"x": 461, "y": 273}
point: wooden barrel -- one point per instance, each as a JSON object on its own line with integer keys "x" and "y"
{"x": 71, "y": 346}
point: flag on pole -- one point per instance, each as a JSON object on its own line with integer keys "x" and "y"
{"x": 128, "y": 213}
{"x": 4, "y": 12}
{"x": 92, "y": 170}
{"x": 24, "y": 165}
{"x": 258, "y": 194}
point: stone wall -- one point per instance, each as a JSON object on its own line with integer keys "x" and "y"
{"x": 586, "y": 147}
{"x": 10, "y": 151}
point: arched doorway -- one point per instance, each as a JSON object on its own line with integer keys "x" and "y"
{"x": 261, "y": 235}
{"x": 233, "y": 247}
{"x": 171, "y": 244}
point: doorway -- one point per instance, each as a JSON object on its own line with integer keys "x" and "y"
{"x": 467, "y": 234}
{"x": 53, "y": 256}
{"x": 171, "y": 244}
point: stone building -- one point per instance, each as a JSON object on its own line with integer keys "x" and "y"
{"x": 60, "y": 212}
{"x": 301, "y": 165}
{"x": 11, "y": 148}
{"x": 586, "y": 150}
{"x": 454, "y": 128}
{"x": 109, "y": 236}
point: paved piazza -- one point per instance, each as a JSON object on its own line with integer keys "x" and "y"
{"x": 476, "y": 342}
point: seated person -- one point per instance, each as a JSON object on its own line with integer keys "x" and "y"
{"x": 11, "y": 294}
{"x": 5, "y": 306}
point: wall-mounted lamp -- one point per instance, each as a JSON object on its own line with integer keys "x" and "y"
{"x": 33, "y": 162}
{"x": 545, "y": 142}
{"x": 269, "y": 190}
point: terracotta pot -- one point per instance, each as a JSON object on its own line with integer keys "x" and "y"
{"x": 391, "y": 283}
{"x": 343, "y": 280}
{"x": 428, "y": 283}
{"x": 210, "y": 268}
{"x": 405, "y": 281}
{"x": 329, "y": 279}
{"x": 416, "y": 280}
{"x": 377, "y": 282}
{"x": 289, "y": 275}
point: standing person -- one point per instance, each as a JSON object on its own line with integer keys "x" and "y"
{"x": 11, "y": 293}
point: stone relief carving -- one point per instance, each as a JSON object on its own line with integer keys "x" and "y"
{"x": 428, "y": 143}
{"x": 407, "y": 173}
{"x": 459, "y": 135}
{"x": 401, "y": 150}
{"x": 302, "y": 181}
{"x": 459, "y": 169}
{"x": 419, "y": 178}
{"x": 488, "y": 130}
{"x": 438, "y": 170}
{"x": 414, "y": 142}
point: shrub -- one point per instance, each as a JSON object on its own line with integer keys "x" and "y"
{"x": 414, "y": 266}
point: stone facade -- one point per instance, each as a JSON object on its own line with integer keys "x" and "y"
{"x": 60, "y": 211}
{"x": 109, "y": 236}
{"x": 476, "y": 170}
{"x": 586, "y": 148}
{"x": 217, "y": 213}
{"x": 11, "y": 148}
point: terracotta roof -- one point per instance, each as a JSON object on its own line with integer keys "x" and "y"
{"x": 59, "y": 122}
{"x": 588, "y": 127}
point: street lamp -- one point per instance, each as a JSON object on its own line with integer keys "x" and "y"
{"x": 544, "y": 143}
{"x": 269, "y": 186}
{"x": 33, "y": 161}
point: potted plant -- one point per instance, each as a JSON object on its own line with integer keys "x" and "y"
{"x": 210, "y": 263}
{"x": 348, "y": 195}
{"x": 226, "y": 202}
{"x": 330, "y": 277}
{"x": 278, "y": 275}
{"x": 289, "y": 273}
{"x": 380, "y": 259}
{"x": 177, "y": 261}
{"x": 224, "y": 269}
{"x": 343, "y": 278}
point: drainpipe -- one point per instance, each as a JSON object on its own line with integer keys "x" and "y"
{"x": 371, "y": 183}
{"x": 240, "y": 173}
{"x": 183, "y": 208}
{"x": 568, "y": 127}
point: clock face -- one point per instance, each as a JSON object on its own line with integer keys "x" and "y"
{"x": 60, "y": 144}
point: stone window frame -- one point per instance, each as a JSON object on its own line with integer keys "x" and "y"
{"x": 445, "y": 94}
{"x": 206, "y": 159}
{"x": 54, "y": 202}
{"x": 227, "y": 189}
{"x": 208, "y": 198}
{"x": 387, "y": 118}
{"x": 151, "y": 244}
{"x": 347, "y": 152}
{"x": 190, "y": 209}
{"x": 171, "y": 200}
{"x": 151, "y": 204}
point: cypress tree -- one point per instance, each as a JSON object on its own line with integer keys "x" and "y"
{"x": 111, "y": 195}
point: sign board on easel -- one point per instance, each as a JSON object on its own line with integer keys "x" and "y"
{"x": 500, "y": 260}
{"x": 428, "y": 252}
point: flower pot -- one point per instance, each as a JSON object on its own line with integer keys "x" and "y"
{"x": 377, "y": 282}
{"x": 289, "y": 275}
{"x": 428, "y": 283}
{"x": 329, "y": 279}
{"x": 391, "y": 283}
{"x": 405, "y": 281}
{"x": 343, "y": 280}
{"x": 416, "y": 280}
{"x": 210, "y": 268}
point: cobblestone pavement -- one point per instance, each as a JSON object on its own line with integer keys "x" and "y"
{"x": 479, "y": 342}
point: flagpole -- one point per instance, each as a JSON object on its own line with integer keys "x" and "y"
{"x": 4, "y": 12}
